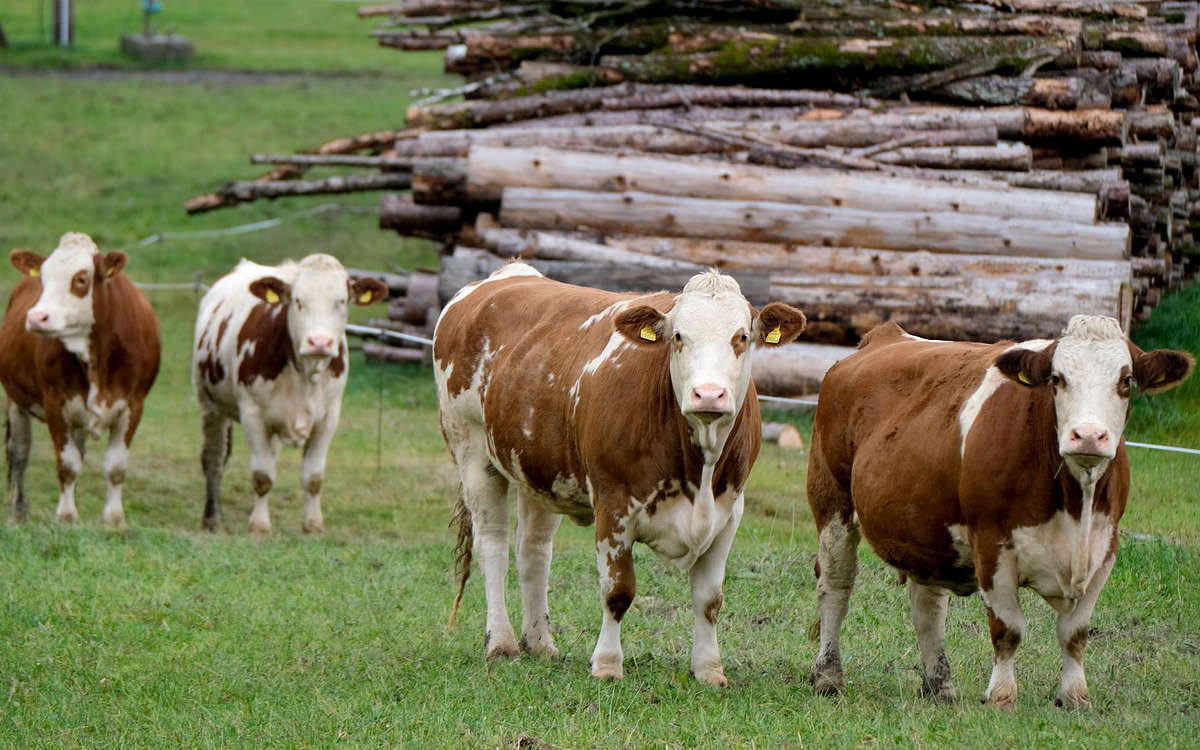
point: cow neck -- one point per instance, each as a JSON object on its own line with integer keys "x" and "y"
{"x": 1074, "y": 494}
{"x": 107, "y": 337}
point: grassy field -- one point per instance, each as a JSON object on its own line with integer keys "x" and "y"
{"x": 167, "y": 636}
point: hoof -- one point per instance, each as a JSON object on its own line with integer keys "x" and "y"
{"x": 503, "y": 652}
{"x": 314, "y": 527}
{"x": 1005, "y": 700}
{"x": 260, "y": 528}
{"x": 71, "y": 517}
{"x": 540, "y": 647}
{"x": 944, "y": 693}
{"x": 828, "y": 683}
{"x": 212, "y": 523}
{"x": 608, "y": 672}
{"x": 714, "y": 677}
{"x": 115, "y": 520}
{"x": 1078, "y": 701}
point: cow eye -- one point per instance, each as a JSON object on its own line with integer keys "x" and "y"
{"x": 678, "y": 337}
{"x": 1128, "y": 380}
{"x": 745, "y": 337}
{"x": 1057, "y": 380}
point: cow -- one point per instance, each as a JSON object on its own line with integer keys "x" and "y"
{"x": 79, "y": 348}
{"x": 978, "y": 467}
{"x": 270, "y": 352}
{"x": 635, "y": 412}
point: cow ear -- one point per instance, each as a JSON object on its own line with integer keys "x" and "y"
{"x": 109, "y": 264}
{"x": 271, "y": 290}
{"x": 27, "y": 261}
{"x": 1025, "y": 366}
{"x": 779, "y": 324}
{"x": 368, "y": 291}
{"x": 642, "y": 325}
{"x": 1160, "y": 370}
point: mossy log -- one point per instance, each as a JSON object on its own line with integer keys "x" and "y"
{"x": 636, "y": 212}
{"x": 1128, "y": 10}
{"x": 766, "y": 57}
{"x": 1049, "y": 93}
{"x": 944, "y": 25}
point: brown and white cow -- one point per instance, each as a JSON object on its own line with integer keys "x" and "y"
{"x": 633, "y": 411}
{"x": 270, "y": 352}
{"x": 978, "y": 467}
{"x": 79, "y": 348}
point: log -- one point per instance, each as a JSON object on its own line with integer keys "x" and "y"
{"x": 439, "y": 181}
{"x": 512, "y": 243}
{"x": 232, "y": 193}
{"x": 474, "y": 114}
{"x": 1049, "y": 93}
{"x": 793, "y": 369}
{"x": 943, "y": 25}
{"x": 333, "y": 160}
{"x": 1003, "y": 156}
{"x": 1129, "y": 10}
{"x": 400, "y": 213}
{"x": 1098, "y": 125}
{"x": 784, "y": 435}
{"x": 637, "y": 212}
{"x": 492, "y": 169}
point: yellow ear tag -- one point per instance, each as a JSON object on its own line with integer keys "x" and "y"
{"x": 109, "y": 272}
{"x": 648, "y": 333}
{"x": 1159, "y": 379}
{"x": 272, "y": 297}
{"x": 774, "y": 336}
{"x": 364, "y": 298}
{"x": 34, "y": 272}
{"x": 1021, "y": 376}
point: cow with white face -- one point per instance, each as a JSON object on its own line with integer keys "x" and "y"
{"x": 270, "y": 352}
{"x": 975, "y": 467}
{"x": 79, "y": 348}
{"x": 635, "y": 412}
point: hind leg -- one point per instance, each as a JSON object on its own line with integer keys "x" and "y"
{"x": 218, "y": 434}
{"x": 929, "y": 606}
{"x": 17, "y": 438}
{"x": 535, "y": 536}
{"x": 485, "y": 493}
{"x": 837, "y": 566}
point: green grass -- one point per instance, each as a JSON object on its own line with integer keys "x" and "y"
{"x": 167, "y": 636}
{"x": 274, "y": 35}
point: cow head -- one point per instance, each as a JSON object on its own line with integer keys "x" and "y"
{"x": 317, "y": 301}
{"x": 709, "y": 332}
{"x": 69, "y": 277}
{"x": 1092, "y": 369}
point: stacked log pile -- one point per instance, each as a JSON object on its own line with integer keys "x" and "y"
{"x": 975, "y": 170}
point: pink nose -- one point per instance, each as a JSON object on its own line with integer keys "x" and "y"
{"x": 710, "y": 398}
{"x": 320, "y": 344}
{"x": 36, "y": 321}
{"x": 1088, "y": 439}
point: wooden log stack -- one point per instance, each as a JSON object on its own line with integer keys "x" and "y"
{"x": 413, "y": 310}
{"x": 971, "y": 170}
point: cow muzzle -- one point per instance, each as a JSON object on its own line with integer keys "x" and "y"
{"x": 318, "y": 346}
{"x": 709, "y": 401}
{"x": 37, "y": 321}
{"x": 1088, "y": 444}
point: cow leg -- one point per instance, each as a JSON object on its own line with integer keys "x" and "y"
{"x": 213, "y": 457}
{"x": 485, "y": 493}
{"x": 614, "y": 562}
{"x": 929, "y": 606}
{"x": 837, "y": 567}
{"x": 1006, "y": 621}
{"x": 312, "y": 471}
{"x": 17, "y": 438}
{"x": 1072, "y": 638}
{"x": 69, "y": 459}
{"x": 707, "y": 578}
{"x": 534, "y": 539}
{"x": 116, "y": 461}
{"x": 264, "y": 451}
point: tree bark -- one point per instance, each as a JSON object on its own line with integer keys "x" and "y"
{"x": 640, "y": 213}
{"x": 793, "y": 369}
{"x": 1003, "y": 156}
{"x": 784, "y": 435}
{"x": 400, "y": 213}
{"x": 492, "y": 169}
{"x": 1050, "y": 93}
{"x": 232, "y": 193}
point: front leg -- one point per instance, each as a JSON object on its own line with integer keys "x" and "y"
{"x": 69, "y": 458}
{"x": 312, "y": 470}
{"x": 116, "y": 461}
{"x": 614, "y": 562}
{"x": 707, "y": 578}
{"x": 1006, "y": 622}
{"x": 1072, "y": 638}
{"x": 18, "y": 435}
{"x": 264, "y": 451}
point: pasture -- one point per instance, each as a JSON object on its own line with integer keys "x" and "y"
{"x": 164, "y": 635}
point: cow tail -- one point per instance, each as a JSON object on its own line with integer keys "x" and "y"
{"x": 462, "y": 551}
